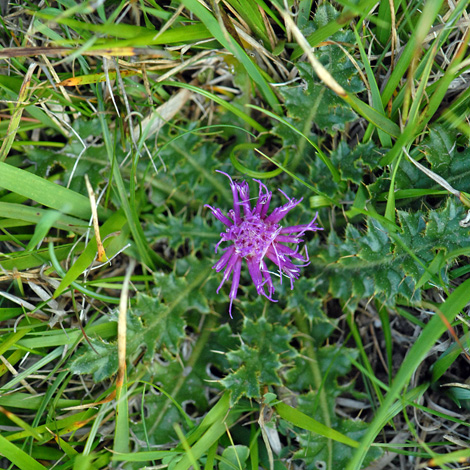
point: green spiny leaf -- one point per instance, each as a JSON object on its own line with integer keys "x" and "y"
{"x": 258, "y": 360}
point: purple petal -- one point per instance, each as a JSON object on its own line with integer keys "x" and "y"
{"x": 217, "y": 213}
{"x": 228, "y": 269}
{"x": 244, "y": 191}
{"x": 310, "y": 227}
{"x": 280, "y": 212}
{"x": 267, "y": 279}
{"x": 255, "y": 273}
{"x": 262, "y": 205}
{"x": 285, "y": 250}
{"x": 235, "y": 283}
{"x": 236, "y": 205}
{"x": 224, "y": 259}
{"x": 288, "y": 239}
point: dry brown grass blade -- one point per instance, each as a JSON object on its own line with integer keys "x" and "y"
{"x": 17, "y": 113}
{"x": 96, "y": 227}
{"x": 122, "y": 327}
{"x": 449, "y": 327}
{"x": 8, "y": 53}
{"x": 319, "y": 69}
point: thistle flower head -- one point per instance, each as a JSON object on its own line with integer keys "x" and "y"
{"x": 254, "y": 236}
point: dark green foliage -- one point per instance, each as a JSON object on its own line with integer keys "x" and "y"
{"x": 314, "y": 449}
{"x": 311, "y": 102}
{"x": 383, "y": 264}
{"x": 176, "y": 232}
{"x": 155, "y": 323}
{"x": 448, "y": 155}
{"x": 354, "y": 162}
{"x": 258, "y": 360}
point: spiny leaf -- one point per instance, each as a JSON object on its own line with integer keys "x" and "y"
{"x": 258, "y": 360}
{"x": 176, "y": 231}
{"x": 333, "y": 362}
{"x": 371, "y": 263}
{"x": 354, "y": 162}
{"x": 311, "y": 102}
{"x": 154, "y": 323}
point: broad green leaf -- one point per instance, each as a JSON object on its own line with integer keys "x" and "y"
{"x": 235, "y": 457}
{"x": 44, "y": 192}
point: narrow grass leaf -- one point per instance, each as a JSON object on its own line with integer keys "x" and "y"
{"x": 412, "y": 47}
{"x": 323, "y": 33}
{"x": 374, "y": 117}
{"x": 384, "y": 137}
{"x": 315, "y": 190}
{"x": 222, "y": 36}
{"x": 136, "y": 35}
{"x": 122, "y": 434}
{"x": 334, "y": 172}
{"x": 29, "y": 430}
{"x": 33, "y": 215}
{"x": 247, "y": 171}
{"x": 17, "y": 113}
{"x": 228, "y": 106}
{"x": 18, "y": 457}
{"x": 430, "y": 334}
{"x": 144, "y": 456}
{"x": 459, "y": 456}
{"x": 44, "y": 192}
{"x": 42, "y": 228}
{"x": 297, "y": 418}
{"x": 21, "y": 260}
{"x": 113, "y": 224}
{"x": 147, "y": 256}
{"x": 35, "y": 367}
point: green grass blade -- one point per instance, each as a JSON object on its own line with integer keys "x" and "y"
{"x": 35, "y": 367}
{"x": 430, "y": 334}
{"x": 221, "y": 35}
{"x": 323, "y": 33}
{"x": 384, "y": 137}
{"x": 44, "y": 192}
{"x": 113, "y": 224}
{"x": 17, "y": 113}
{"x": 373, "y": 116}
{"x": 21, "y": 260}
{"x": 297, "y": 418}
{"x": 147, "y": 256}
{"x": 334, "y": 172}
{"x": 228, "y": 106}
{"x": 18, "y": 457}
{"x": 413, "y": 47}
{"x": 315, "y": 190}
{"x": 33, "y": 215}
{"x": 135, "y": 35}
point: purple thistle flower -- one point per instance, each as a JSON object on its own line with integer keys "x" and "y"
{"x": 256, "y": 236}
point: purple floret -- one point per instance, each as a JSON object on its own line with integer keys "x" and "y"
{"x": 255, "y": 236}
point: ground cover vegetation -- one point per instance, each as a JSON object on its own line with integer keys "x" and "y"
{"x": 120, "y": 122}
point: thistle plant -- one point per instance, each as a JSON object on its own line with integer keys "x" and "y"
{"x": 255, "y": 235}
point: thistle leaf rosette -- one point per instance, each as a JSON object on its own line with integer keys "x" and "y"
{"x": 254, "y": 236}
